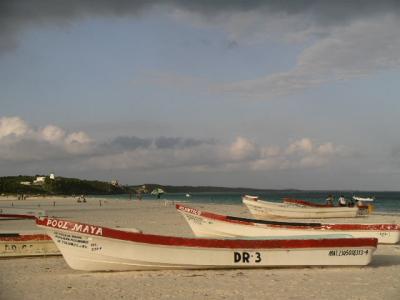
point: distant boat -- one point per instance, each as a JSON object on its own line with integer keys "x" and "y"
{"x": 266, "y": 209}
{"x": 211, "y": 225}
{"x": 188, "y": 196}
{"x": 95, "y": 248}
{"x": 366, "y": 199}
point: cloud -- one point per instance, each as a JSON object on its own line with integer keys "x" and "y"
{"x": 52, "y": 134}
{"x": 361, "y": 48}
{"x": 304, "y": 145}
{"x": 302, "y": 153}
{"x": 242, "y": 154}
{"x": 19, "y": 15}
{"x": 169, "y": 143}
{"x": 24, "y": 145}
{"x": 346, "y": 39}
{"x": 12, "y": 126}
{"x": 242, "y": 149}
{"x": 21, "y": 142}
{"x": 129, "y": 143}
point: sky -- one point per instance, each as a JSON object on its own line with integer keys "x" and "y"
{"x": 260, "y": 94}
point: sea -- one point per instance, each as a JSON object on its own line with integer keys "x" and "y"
{"x": 385, "y": 202}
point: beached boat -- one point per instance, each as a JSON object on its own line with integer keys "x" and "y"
{"x": 21, "y": 213}
{"x": 95, "y": 248}
{"x": 206, "y": 224}
{"x": 362, "y": 209}
{"x": 263, "y": 209}
{"x": 27, "y": 244}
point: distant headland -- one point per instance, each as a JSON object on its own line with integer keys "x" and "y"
{"x": 56, "y": 185}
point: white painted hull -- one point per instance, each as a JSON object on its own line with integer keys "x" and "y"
{"x": 16, "y": 245}
{"x": 136, "y": 251}
{"x": 204, "y": 224}
{"x": 263, "y": 209}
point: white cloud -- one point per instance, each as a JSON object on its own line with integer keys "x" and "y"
{"x": 302, "y": 153}
{"x": 78, "y": 138}
{"x": 20, "y": 142}
{"x": 242, "y": 149}
{"x": 78, "y": 143}
{"x": 304, "y": 145}
{"x": 12, "y": 126}
{"x": 52, "y": 133}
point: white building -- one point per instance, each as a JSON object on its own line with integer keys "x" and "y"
{"x": 39, "y": 180}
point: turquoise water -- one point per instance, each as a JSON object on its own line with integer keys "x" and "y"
{"x": 384, "y": 201}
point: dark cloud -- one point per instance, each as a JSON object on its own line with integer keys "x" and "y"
{"x": 129, "y": 143}
{"x": 171, "y": 142}
{"x": 17, "y": 15}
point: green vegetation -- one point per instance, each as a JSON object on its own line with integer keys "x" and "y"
{"x": 74, "y": 186}
{"x": 58, "y": 186}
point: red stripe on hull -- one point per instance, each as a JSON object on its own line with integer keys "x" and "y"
{"x": 25, "y": 238}
{"x": 17, "y": 216}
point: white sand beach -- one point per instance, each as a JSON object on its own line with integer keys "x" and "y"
{"x": 51, "y": 278}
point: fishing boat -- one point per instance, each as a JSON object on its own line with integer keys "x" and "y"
{"x": 207, "y": 224}
{"x": 266, "y": 209}
{"x": 21, "y": 213}
{"x": 27, "y": 244}
{"x": 95, "y": 248}
{"x": 362, "y": 209}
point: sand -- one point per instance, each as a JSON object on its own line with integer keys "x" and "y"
{"x": 51, "y": 278}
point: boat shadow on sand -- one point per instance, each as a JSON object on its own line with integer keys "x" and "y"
{"x": 385, "y": 260}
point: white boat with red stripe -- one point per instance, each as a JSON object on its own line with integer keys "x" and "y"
{"x": 96, "y": 248}
{"x": 207, "y": 224}
{"x": 265, "y": 209}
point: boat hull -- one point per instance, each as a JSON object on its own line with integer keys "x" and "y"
{"x": 262, "y": 209}
{"x": 15, "y": 245}
{"x": 105, "y": 249}
{"x": 205, "y": 224}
